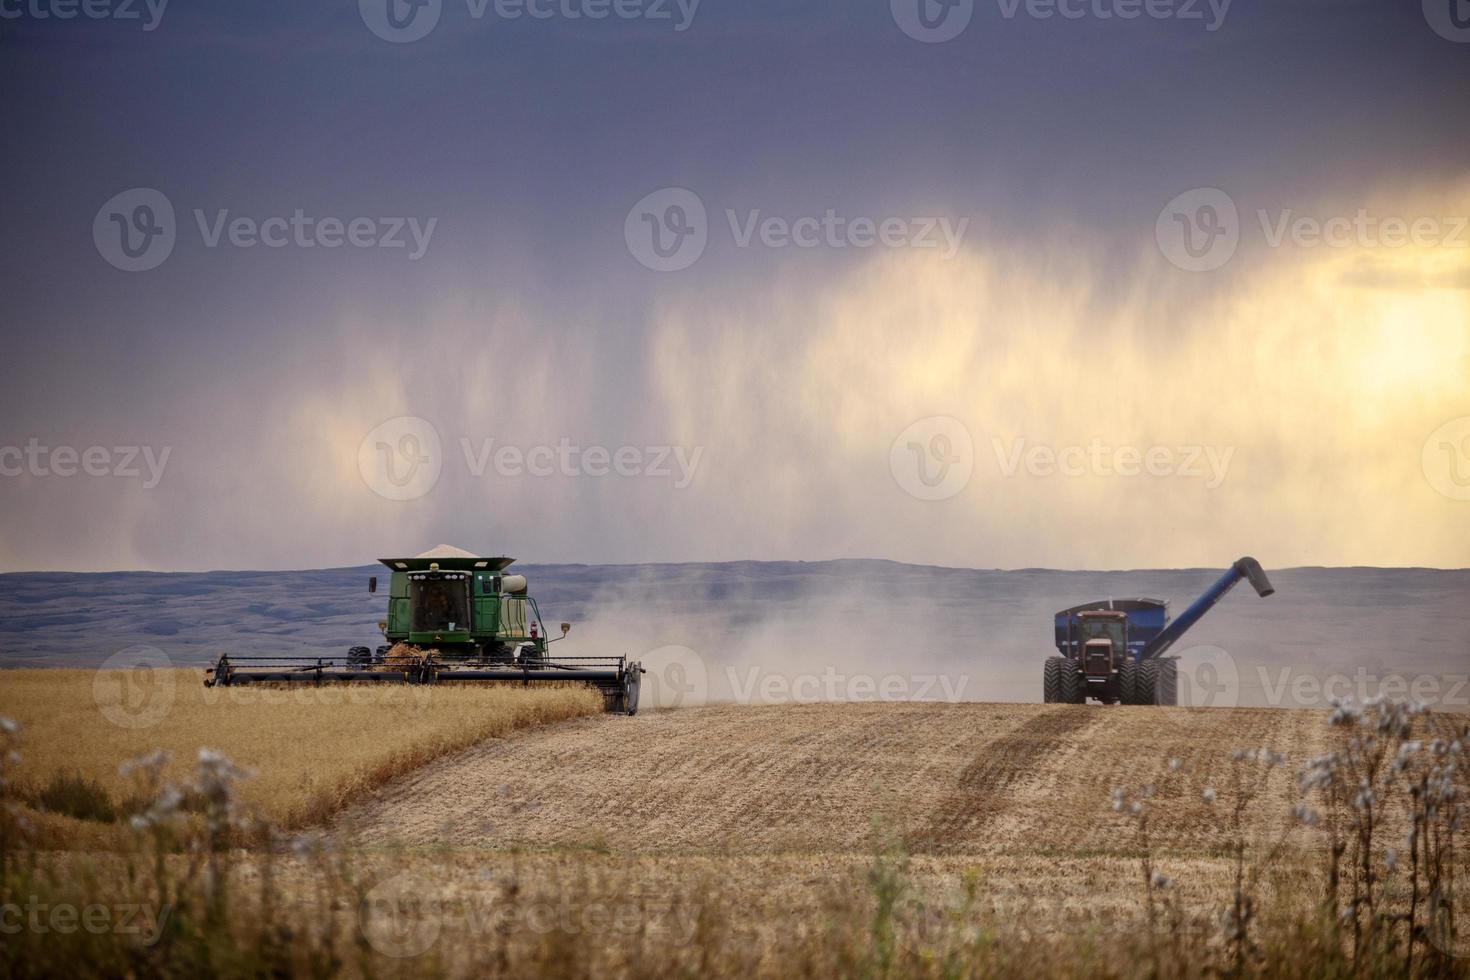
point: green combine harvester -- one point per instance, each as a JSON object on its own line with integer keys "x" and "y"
{"x": 453, "y": 617}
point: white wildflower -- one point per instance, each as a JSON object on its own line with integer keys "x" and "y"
{"x": 152, "y": 763}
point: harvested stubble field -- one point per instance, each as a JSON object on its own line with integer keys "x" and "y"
{"x": 774, "y": 815}
{"x": 946, "y": 779}
{"x": 872, "y": 839}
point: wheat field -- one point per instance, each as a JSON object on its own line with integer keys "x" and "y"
{"x": 309, "y": 750}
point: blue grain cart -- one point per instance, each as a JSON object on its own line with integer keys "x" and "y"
{"x": 1113, "y": 650}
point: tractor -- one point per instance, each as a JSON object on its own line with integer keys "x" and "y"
{"x": 1112, "y": 650}
{"x": 453, "y": 617}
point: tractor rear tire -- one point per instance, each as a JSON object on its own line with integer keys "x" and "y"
{"x": 1051, "y": 680}
{"x": 1148, "y": 682}
{"x": 1168, "y": 683}
{"x": 380, "y": 655}
{"x": 359, "y": 657}
{"x": 1074, "y": 683}
{"x": 1128, "y": 682}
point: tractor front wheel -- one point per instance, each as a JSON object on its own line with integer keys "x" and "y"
{"x": 1051, "y": 680}
{"x": 1128, "y": 682}
{"x": 1074, "y": 683}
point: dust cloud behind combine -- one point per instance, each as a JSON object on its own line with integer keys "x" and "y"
{"x": 779, "y": 632}
{"x": 854, "y": 631}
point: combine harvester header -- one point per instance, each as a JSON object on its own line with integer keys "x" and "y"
{"x": 452, "y": 617}
{"x": 1112, "y": 650}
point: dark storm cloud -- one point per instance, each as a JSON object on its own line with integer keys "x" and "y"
{"x": 526, "y": 141}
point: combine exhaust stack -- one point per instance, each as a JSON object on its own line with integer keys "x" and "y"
{"x": 465, "y": 622}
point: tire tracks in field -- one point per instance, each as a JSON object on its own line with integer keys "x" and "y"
{"x": 958, "y": 780}
{"x": 984, "y": 789}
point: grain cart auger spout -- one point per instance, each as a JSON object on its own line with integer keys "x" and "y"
{"x": 453, "y": 617}
{"x": 1113, "y": 650}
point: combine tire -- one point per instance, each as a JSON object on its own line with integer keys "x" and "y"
{"x": 1051, "y": 680}
{"x": 359, "y": 657}
{"x": 1168, "y": 683}
{"x": 1128, "y": 682}
{"x": 1074, "y": 683}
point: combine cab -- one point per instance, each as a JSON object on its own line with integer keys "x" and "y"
{"x": 452, "y": 617}
{"x": 1113, "y": 650}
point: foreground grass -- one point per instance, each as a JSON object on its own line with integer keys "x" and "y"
{"x": 315, "y": 911}
{"x": 1361, "y": 895}
{"x": 311, "y": 751}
